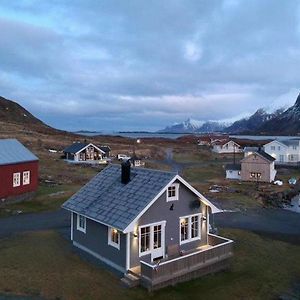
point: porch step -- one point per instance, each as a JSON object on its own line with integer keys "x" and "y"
{"x": 130, "y": 280}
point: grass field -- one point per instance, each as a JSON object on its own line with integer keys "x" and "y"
{"x": 261, "y": 269}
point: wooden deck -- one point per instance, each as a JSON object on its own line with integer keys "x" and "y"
{"x": 211, "y": 258}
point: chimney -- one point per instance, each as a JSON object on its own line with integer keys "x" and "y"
{"x": 125, "y": 172}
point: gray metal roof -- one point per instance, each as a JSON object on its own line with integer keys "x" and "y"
{"x": 106, "y": 200}
{"x": 291, "y": 142}
{"x": 75, "y": 147}
{"x": 234, "y": 167}
{"x": 12, "y": 151}
{"x": 251, "y": 149}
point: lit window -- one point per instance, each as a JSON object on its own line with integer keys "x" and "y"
{"x": 114, "y": 237}
{"x": 189, "y": 228}
{"x": 81, "y": 223}
{"x": 156, "y": 236}
{"x": 184, "y": 229}
{"x": 16, "y": 179}
{"x": 172, "y": 193}
{"x": 26, "y": 177}
{"x": 145, "y": 239}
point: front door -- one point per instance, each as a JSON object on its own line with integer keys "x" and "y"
{"x": 152, "y": 240}
{"x": 158, "y": 238}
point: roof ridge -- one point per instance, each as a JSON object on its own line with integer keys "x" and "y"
{"x": 146, "y": 169}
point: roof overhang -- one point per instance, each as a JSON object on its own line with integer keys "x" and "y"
{"x": 90, "y": 144}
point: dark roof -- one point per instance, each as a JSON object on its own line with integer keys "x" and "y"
{"x": 266, "y": 155}
{"x": 105, "y": 148}
{"x": 106, "y": 200}
{"x": 75, "y": 147}
{"x": 251, "y": 149}
{"x": 12, "y": 151}
{"x": 236, "y": 167}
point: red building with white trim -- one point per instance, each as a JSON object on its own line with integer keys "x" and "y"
{"x": 18, "y": 171}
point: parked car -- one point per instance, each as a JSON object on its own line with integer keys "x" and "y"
{"x": 123, "y": 157}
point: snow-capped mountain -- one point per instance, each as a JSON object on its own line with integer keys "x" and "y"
{"x": 287, "y": 122}
{"x": 194, "y": 126}
{"x": 254, "y": 122}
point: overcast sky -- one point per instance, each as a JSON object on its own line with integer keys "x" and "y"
{"x": 142, "y": 65}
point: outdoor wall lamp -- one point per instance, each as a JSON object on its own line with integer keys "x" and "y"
{"x": 135, "y": 235}
{"x": 204, "y": 219}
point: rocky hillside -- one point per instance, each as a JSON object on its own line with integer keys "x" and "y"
{"x": 14, "y": 113}
{"x": 252, "y": 123}
{"x": 287, "y": 123}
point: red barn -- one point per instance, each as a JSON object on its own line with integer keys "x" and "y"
{"x": 18, "y": 171}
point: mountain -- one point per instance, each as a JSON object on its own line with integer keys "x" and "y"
{"x": 194, "y": 126}
{"x": 12, "y": 112}
{"x": 252, "y": 123}
{"x": 286, "y": 123}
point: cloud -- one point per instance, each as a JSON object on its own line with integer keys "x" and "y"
{"x": 131, "y": 65}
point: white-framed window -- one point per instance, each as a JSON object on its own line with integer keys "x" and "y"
{"x": 272, "y": 147}
{"x": 295, "y": 147}
{"x": 190, "y": 228}
{"x": 151, "y": 238}
{"x": 26, "y": 177}
{"x": 145, "y": 239}
{"x": 278, "y": 148}
{"x": 16, "y": 179}
{"x": 81, "y": 223}
{"x": 114, "y": 237}
{"x": 255, "y": 175}
{"x": 172, "y": 192}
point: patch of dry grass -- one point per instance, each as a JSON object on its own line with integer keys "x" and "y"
{"x": 44, "y": 264}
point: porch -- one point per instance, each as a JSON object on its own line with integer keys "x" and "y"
{"x": 210, "y": 258}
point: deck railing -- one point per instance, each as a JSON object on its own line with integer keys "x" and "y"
{"x": 188, "y": 265}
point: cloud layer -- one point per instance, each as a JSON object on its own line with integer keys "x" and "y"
{"x": 136, "y": 65}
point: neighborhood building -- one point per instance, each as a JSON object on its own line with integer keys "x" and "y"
{"x": 257, "y": 166}
{"x": 227, "y": 146}
{"x": 233, "y": 171}
{"x": 284, "y": 152}
{"x": 18, "y": 171}
{"x": 151, "y": 225}
{"x": 136, "y": 161}
{"x": 81, "y": 152}
{"x": 250, "y": 150}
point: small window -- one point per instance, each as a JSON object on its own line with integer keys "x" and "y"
{"x": 26, "y": 177}
{"x": 145, "y": 239}
{"x": 114, "y": 237}
{"x": 272, "y": 147}
{"x": 16, "y": 179}
{"x": 81, "y": 223}
{"x": 279, "y": 148}
{"x": 172, "y": 192}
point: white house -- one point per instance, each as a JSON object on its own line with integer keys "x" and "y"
{"x": 284, "y": 152}
{"x": 233, "y": 171}
{"x": 226, "y": 147}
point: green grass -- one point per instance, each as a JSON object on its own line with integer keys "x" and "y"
{"x": 44, "y": 264}
{"x": 47, "y": 198}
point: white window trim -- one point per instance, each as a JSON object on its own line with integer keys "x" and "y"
{"x": 109, "y": 240}
{"x": 26, "y": 182}
{"x": 79, "y": 227}
{"x": 190, "y": 229}
{"x": 176, "y": 197}
{"x": 163, "y": 225}
{"x": 19, "y": 181}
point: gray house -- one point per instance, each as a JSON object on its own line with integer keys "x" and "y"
{"x": 150, "y": 225}
{"x": 86, "y": 152}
